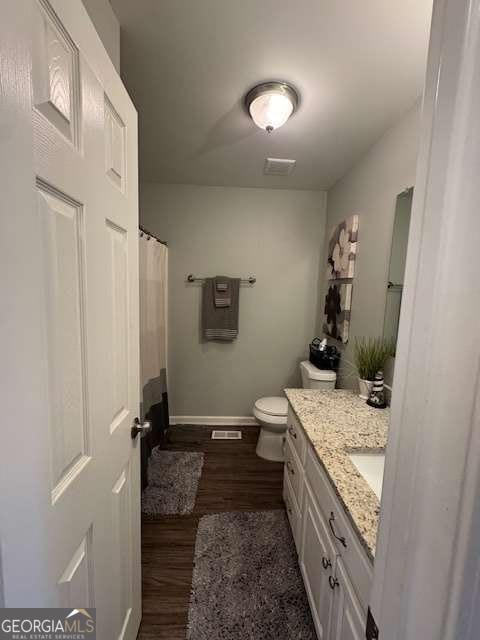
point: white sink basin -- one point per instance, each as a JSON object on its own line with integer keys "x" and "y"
{"x": 371, "y": 466}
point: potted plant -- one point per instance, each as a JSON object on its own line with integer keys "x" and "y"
{"x": 370, "y": 355}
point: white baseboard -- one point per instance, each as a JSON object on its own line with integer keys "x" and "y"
{"x": 227, "y": 421}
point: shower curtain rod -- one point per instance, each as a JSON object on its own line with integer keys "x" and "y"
{"x": 152, "y": 235}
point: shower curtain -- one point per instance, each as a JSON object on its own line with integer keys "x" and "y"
{"x": 153, "y": 273}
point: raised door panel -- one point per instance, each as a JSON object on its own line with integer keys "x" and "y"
{"x": 75, "y": 586}
{"x": 122, "y": 550}
{"x": 348, "y": 619}
{"x": 114, "y": 146}
{"x": 61, "y": 238}
{"x": 317, "y": 565}
{"x": 118, "y": 248}
{"x": 56, "y": 92}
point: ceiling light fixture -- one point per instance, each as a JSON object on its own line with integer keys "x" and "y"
{"x": 270, "y": 104}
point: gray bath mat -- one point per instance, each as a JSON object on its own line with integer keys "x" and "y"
{"x": 246, "y": 581}
{"x": 173, "y": 478}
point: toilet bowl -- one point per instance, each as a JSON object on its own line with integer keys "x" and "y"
{"x": 271, "y": 412}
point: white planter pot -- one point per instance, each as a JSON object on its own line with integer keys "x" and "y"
{"x": 365, "y": 386}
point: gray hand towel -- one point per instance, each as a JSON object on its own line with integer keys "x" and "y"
{"x": 222, "y": 291}
{"x": 220, "y": 323}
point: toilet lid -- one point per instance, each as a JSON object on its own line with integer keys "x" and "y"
{"x": 272, "y": 406}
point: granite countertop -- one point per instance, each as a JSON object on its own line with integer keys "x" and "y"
{"x": 338, "y": 423}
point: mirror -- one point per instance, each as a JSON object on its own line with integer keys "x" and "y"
{"x": 396, "y": 271}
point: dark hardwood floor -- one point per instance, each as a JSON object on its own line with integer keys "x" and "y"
{"x": 233, "y": 478}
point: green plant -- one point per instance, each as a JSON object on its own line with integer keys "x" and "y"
{"x": 370, "y": 355}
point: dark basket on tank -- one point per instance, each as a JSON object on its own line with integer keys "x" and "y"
{"x": 328, "y": 358}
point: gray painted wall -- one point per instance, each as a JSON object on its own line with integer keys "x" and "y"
{"x": 107, "y": 26}
{"x": 277, "y": 235}
{"x": 370, "y": 189}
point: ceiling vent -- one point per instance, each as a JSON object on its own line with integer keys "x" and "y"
{"x": 278, "y": 166}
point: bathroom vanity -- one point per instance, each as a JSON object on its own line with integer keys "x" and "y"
{"x": 332, "y": 504}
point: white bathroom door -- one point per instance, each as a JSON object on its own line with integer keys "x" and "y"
{"x": 70, "y": 506}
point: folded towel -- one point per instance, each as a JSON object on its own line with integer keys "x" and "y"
{"x": 220, "y": 322}
{"x": 222, "y": 291}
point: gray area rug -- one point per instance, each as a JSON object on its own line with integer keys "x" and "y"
{"x": 173, "y": 478}
{"x": 246, "y": 580}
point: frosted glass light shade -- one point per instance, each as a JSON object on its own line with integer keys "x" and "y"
{"x": 271, "y": 110}
{"x": 271, "y": 104}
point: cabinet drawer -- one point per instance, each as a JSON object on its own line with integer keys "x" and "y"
{"x": 294, "y": 471}
{"x": 295, "y": 435}
{"x": 353, "y": 554}
{"x": 293, "y": 511}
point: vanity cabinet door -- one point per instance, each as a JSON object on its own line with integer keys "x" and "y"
{"x": 293, "y": 511}
{"x": 358, "y": 565}
{"x": 347, "y": 618}
{"x": 295, "y": 435}
{"x": 294, "y": 471}
{"x": 317, "y": 562}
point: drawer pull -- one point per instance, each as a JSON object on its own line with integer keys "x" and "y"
{"x": 290, "y": 468}
{"x": 292, "y": 432}
{"x": 333, "y": 582}
{"x": 326, "y": 563}
{"x": 341, "y": 539}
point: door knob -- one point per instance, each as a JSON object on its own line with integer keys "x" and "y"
{"x": 141, "y": 428}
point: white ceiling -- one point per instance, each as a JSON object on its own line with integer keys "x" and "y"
{"x": 358, "y": 65}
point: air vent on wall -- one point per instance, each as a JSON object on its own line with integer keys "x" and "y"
{"x": 278, "y": 166}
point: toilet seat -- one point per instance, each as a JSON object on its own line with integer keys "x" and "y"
{"x": 273, "y": 406}
{"x": 273, "y": 421}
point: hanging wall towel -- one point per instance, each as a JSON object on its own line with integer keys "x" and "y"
{"x": 220, "y": 323}
{"x": 222, "y": 291}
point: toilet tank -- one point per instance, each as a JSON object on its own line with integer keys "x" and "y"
{"x": 314, "y": 378}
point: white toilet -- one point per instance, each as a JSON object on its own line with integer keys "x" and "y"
{"x": 271, "y": 412}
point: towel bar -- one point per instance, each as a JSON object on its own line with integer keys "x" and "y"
{"x": 249, "y": 280}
